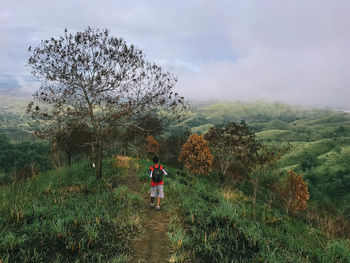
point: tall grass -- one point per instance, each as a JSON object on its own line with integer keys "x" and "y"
{"x": 68, "y": 216}
{"x": 212, "y": 224}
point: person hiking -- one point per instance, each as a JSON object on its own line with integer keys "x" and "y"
{"x": 156, "y": 172}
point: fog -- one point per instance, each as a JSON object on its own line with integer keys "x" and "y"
{"x": 290, "y": 51}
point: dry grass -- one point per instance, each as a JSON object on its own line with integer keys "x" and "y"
{"x": 122, "y": 161}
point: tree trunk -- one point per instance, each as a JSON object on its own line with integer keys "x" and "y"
{"x": 126, "y": 150}
{"x": 99, "y": 157}
{"x": 69, "y": 157}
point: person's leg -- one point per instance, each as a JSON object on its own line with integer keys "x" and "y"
{"x": 160, "y": 195}
{"x": 153, "y": 195}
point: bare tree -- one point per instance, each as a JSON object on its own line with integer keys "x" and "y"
{"x": 99, "y": 79}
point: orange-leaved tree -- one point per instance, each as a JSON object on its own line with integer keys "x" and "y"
{"x": 152, "y": 146}
{"x": 196, "y": 155}
{"x": 294, "y": 192}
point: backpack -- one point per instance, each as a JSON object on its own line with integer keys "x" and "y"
{"x": 157, "y": 174}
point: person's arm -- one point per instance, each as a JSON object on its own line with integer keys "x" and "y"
{"x": 150, "y": 172}
{"x": 164, "y": 172}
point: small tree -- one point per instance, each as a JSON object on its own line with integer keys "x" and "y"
{"x": 170, "y": 146}
{"x": 294, "y": 192}
{"x": 231, "y": 144}
{"x": 152, "y": 146}
{"x": 196, "y": 155}
{"x": 98, "y": 79}
{"x": 75, "y": 138}
{"x": 265, "y": 160}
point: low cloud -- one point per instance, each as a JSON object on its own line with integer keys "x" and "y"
{"x": 291, "y": 51}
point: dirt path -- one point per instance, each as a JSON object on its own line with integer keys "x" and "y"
{"x": 154, "y": 247}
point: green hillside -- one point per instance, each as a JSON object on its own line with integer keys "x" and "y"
{"x": 68, "y": 216}
{"x": 320, "y": 139}
{"x": 13, "y": 121}
{"x": 254, "y": 112}
{"x": 276, "y": 125}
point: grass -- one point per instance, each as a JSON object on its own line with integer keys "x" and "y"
{"x": 202, "y": 129}
{"x": 276, "y": 135}
{"x": 209, "y": 223}
{"x": 71, "y": 217}
{"x": 68, "y": 217}
{"x": 277, "y": 125}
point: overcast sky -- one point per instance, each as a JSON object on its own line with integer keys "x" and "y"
{"x": 291, "y": 51}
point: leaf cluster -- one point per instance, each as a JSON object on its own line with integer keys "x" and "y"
{"x": 232, "y": 143}
{"x": 196, "y": 155}
{"x": 98, "y": 78}
{"x": 294, "y": 192}
{"x": 152, "y": 146}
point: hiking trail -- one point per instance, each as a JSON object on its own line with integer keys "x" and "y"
{"x": 154, "y": 246}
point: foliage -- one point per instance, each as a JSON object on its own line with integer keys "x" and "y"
{"x": 266, "y": 161}
{"x": 294, "y": 192}
{"x": 171, "y": 145}
{"x": 211, "y": 224}
{"x": 97, "y": 79}
{"x": 196, "y": 155}
{"x": 75, "y": 138}
{"x": 152, "y": 146}
{"x": 308, "y": 162}
{"x": 15, "y": 156}
{"x": 231, "y": 144}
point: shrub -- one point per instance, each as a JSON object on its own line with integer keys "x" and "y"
{"x": 152, "y": 146}
{"x": 294, "y": 192}
{"x": 196, "y": 155}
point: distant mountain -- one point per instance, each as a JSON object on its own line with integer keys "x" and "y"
{"x": 259, "y": 115}
{"x": 14, "y": 105}
{"x": 13, "y": 121}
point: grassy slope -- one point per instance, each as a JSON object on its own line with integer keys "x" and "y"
{"x": 236, "y": 111}
{"x": 213, "y": 224}
{"x": 313, "y": 134}
{"x": 74, "y": 218}
{"x": 306, "y": 126}
{"x": 69, "y": 217}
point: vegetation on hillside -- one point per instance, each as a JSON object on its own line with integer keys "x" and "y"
{"x": 68, "y": 216}
{"x": 211, "y": 222}
{"x": 99, "y": 80}
{"x": 288, "y": 200}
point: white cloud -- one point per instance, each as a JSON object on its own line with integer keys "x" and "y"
{"x": 293, "y": 51}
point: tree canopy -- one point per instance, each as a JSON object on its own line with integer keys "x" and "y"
{"x": 232, "y": 143}
{"x": 99, "y": 79}
{"x": 195, "y": 154}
